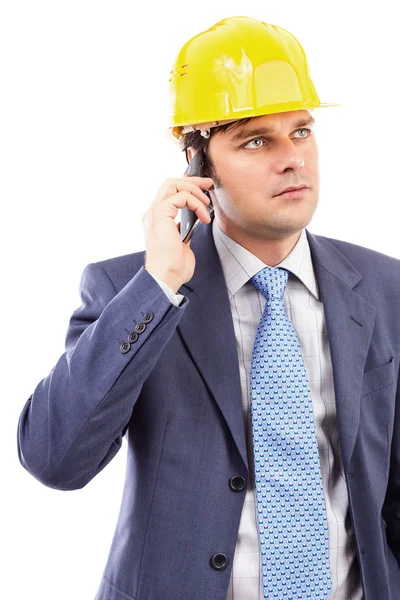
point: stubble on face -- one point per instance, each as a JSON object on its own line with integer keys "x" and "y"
{"x": 246, "y": 184}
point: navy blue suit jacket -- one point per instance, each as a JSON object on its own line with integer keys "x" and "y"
{"x": 176, "y": 395}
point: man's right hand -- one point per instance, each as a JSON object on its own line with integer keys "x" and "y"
{"x": 167, "y": 257}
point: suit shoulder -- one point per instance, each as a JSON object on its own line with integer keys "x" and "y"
{"x": 120, "y": 269}
{"x": 362, "y": 255}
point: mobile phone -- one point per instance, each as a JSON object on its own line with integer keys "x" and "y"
{"x": 189, "y": 220}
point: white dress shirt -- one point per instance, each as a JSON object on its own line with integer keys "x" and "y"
{"x": 306, "y": 312}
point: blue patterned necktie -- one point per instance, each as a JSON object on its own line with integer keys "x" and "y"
{"x": 292, "y": 524}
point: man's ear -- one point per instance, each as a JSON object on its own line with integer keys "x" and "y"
{"x": 190, "y": 153}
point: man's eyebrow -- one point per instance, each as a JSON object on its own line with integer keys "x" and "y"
{"x": 255, "y": 131}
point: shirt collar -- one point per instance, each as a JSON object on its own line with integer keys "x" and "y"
{"x": 239, "y": 264}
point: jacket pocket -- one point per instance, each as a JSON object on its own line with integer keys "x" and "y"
{"x": 378, "y": 378}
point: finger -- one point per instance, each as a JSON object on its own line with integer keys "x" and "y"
{"x": 182, "y": 199}
{"x": 203, "y": 182}
{"x": 175, "y": 186}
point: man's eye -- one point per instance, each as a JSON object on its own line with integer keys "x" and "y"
{"x": 307, "y": 130}
{"x": 304, "y": 133}
{"x": 253, "y": 142}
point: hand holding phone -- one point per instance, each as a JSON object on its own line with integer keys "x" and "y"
{"x": 166, "y": 257}
{"x": 189, "y": 219}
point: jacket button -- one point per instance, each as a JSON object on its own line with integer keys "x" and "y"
{"x": 219, "y": 561}
{"x": 140, "y": 327}
{"x": 125, "y": 347}
{"x": 133, "y": 337}
{"x": 237, "y": 483}
{"x": 148, "y": 317}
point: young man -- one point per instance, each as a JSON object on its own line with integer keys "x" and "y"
{"x": 253, "y": 369}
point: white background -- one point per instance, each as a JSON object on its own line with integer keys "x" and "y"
{"x": 83, "y": 150}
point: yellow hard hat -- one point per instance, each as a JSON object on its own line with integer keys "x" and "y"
{"x": 239, "y": 68}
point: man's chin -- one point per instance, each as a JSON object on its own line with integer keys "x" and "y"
{"x": 279, "y": 228}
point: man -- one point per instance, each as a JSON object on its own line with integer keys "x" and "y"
{"x": 254, "y": 470}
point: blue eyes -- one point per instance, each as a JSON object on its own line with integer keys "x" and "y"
{"x": 262, "y": 140}
{"x": 253, "y": 141}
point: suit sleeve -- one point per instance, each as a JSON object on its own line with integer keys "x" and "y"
{"x": 176, "y": 299}
{"x": 391, "y": 506}
{"x": 73, "y": 424}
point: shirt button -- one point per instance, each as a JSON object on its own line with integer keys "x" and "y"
{"x": 140, "y": 327}
{"x": 219, "y": 561}
{"x": 125, "y": 347}
{"x": 133, "y": 337}
{"x": 148, "y": 317}
{"x": 237, "y": 483}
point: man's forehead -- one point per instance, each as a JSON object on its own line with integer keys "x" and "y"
{"x": 292, "y": 119}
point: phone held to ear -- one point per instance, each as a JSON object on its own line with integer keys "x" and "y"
{"x": 189, "y": 220}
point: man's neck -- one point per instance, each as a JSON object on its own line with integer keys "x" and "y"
{"x": 269, "y": 251}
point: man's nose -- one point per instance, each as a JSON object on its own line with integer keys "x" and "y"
{"x": 289, "y": 156}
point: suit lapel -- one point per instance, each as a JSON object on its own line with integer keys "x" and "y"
{"x": 207, "y": 329}
{"x": 349, "y": 320}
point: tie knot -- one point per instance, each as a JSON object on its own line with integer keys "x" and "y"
{"x": 271, "y": 282}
